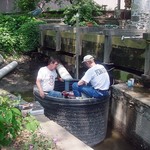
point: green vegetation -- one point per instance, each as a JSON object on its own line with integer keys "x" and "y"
{"x": 26, "y": 5}
{"x": 12, "y": 121}
{"x": 18, "y": 33}
{"x": 87, "y": 10}
{"x": 19, "y": 131}
{"x": 52, "y": 14}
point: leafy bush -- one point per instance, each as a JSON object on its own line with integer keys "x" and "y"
{"x": 26, "y": 5}
{"x": 87, "y": 10}
{"x": 50, "y": 14}
{"x": 18, "y": 33}
{"x": 7, "y": 40}
{"x": 12, "y": 121}
{"x": 13, "y": 22}
{"x": 29, "y": 36}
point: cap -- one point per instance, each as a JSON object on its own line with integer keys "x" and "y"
{"x": 87, "y": 58}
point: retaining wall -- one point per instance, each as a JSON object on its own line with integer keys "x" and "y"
{"x": 130, "y": 114}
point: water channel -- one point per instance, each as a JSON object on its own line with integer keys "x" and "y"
{"x": 113, "y": 141}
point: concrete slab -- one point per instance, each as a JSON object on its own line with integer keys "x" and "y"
{"x": 64, "y": 140}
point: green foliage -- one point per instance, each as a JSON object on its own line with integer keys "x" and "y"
{"x": 26, "y": 5}
{"x": 87, "y": 10}
{"x": 52, "y": 14}
{"x": 30, "y": 123}
{"x": 12, "y": 121}
{"x": 7, "y": 40}
{"x": 18, "y": 33}
{"x": 29, "y": 36}
{"x": 13, "y": 22}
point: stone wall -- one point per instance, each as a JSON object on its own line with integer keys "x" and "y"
{"x": 130, "y": 112}
{"x": 7, "y": 6}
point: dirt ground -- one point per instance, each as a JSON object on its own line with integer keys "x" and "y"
{"x": 22, "y": 78}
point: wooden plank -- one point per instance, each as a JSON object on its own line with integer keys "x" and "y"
{"x": 146, "y": 36}
{"x": 124, "y": 32}
{"x": 91, "y": 37}
{"x": 58, "y": 40}
{"x": 132, "y": 43}
{"x": 107, "y": 48}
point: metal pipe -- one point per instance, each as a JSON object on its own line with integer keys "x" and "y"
{"x": 64, "y": 74}
{"x": 131, "y": 37}
{"x": 77, "y": 46}
{"x": 7, "y": 68}
{"x": 119, "y": 4}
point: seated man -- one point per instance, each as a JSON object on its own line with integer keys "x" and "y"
{"x": 46, "y": 79}
{"x": 95, "y": 83}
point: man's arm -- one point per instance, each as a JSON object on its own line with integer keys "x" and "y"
{"x": 38, "y": 83}
{"x": 60, "y": 79}
{"x": 81, "y": 82}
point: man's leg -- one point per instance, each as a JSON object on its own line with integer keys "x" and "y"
{"x": 88, "y": 90}
{"x": 77, "y": 90}
{"x": 55, "y": 94}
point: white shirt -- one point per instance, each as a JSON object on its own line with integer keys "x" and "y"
{"x": 98, "y": 77}
{"x": 47, "y": 78}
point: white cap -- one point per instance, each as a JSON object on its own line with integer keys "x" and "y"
{"x": 87, "y": 58}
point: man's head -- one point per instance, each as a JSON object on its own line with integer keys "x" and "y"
{"x": 53, "y": 63}
{"x": 88, "y": 60}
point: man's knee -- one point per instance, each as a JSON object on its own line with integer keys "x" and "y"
{"x": 75, "y": 85}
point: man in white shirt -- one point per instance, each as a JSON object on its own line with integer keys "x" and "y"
{"x": 46, "y": 79}
{"x": 95, "y": 82}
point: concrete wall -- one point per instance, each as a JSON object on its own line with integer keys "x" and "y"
{"x": 130, "y": 112}
{"x": 6, "y": 6}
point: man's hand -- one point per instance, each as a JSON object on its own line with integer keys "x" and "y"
{"x": 38, "y": 83}
{"x": 60, "y": 79}
{"x": 81, "y": 82}
{"x": 42, "y": 94}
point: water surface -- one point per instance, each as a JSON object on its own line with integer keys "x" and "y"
{"x": 114, "y": 141}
